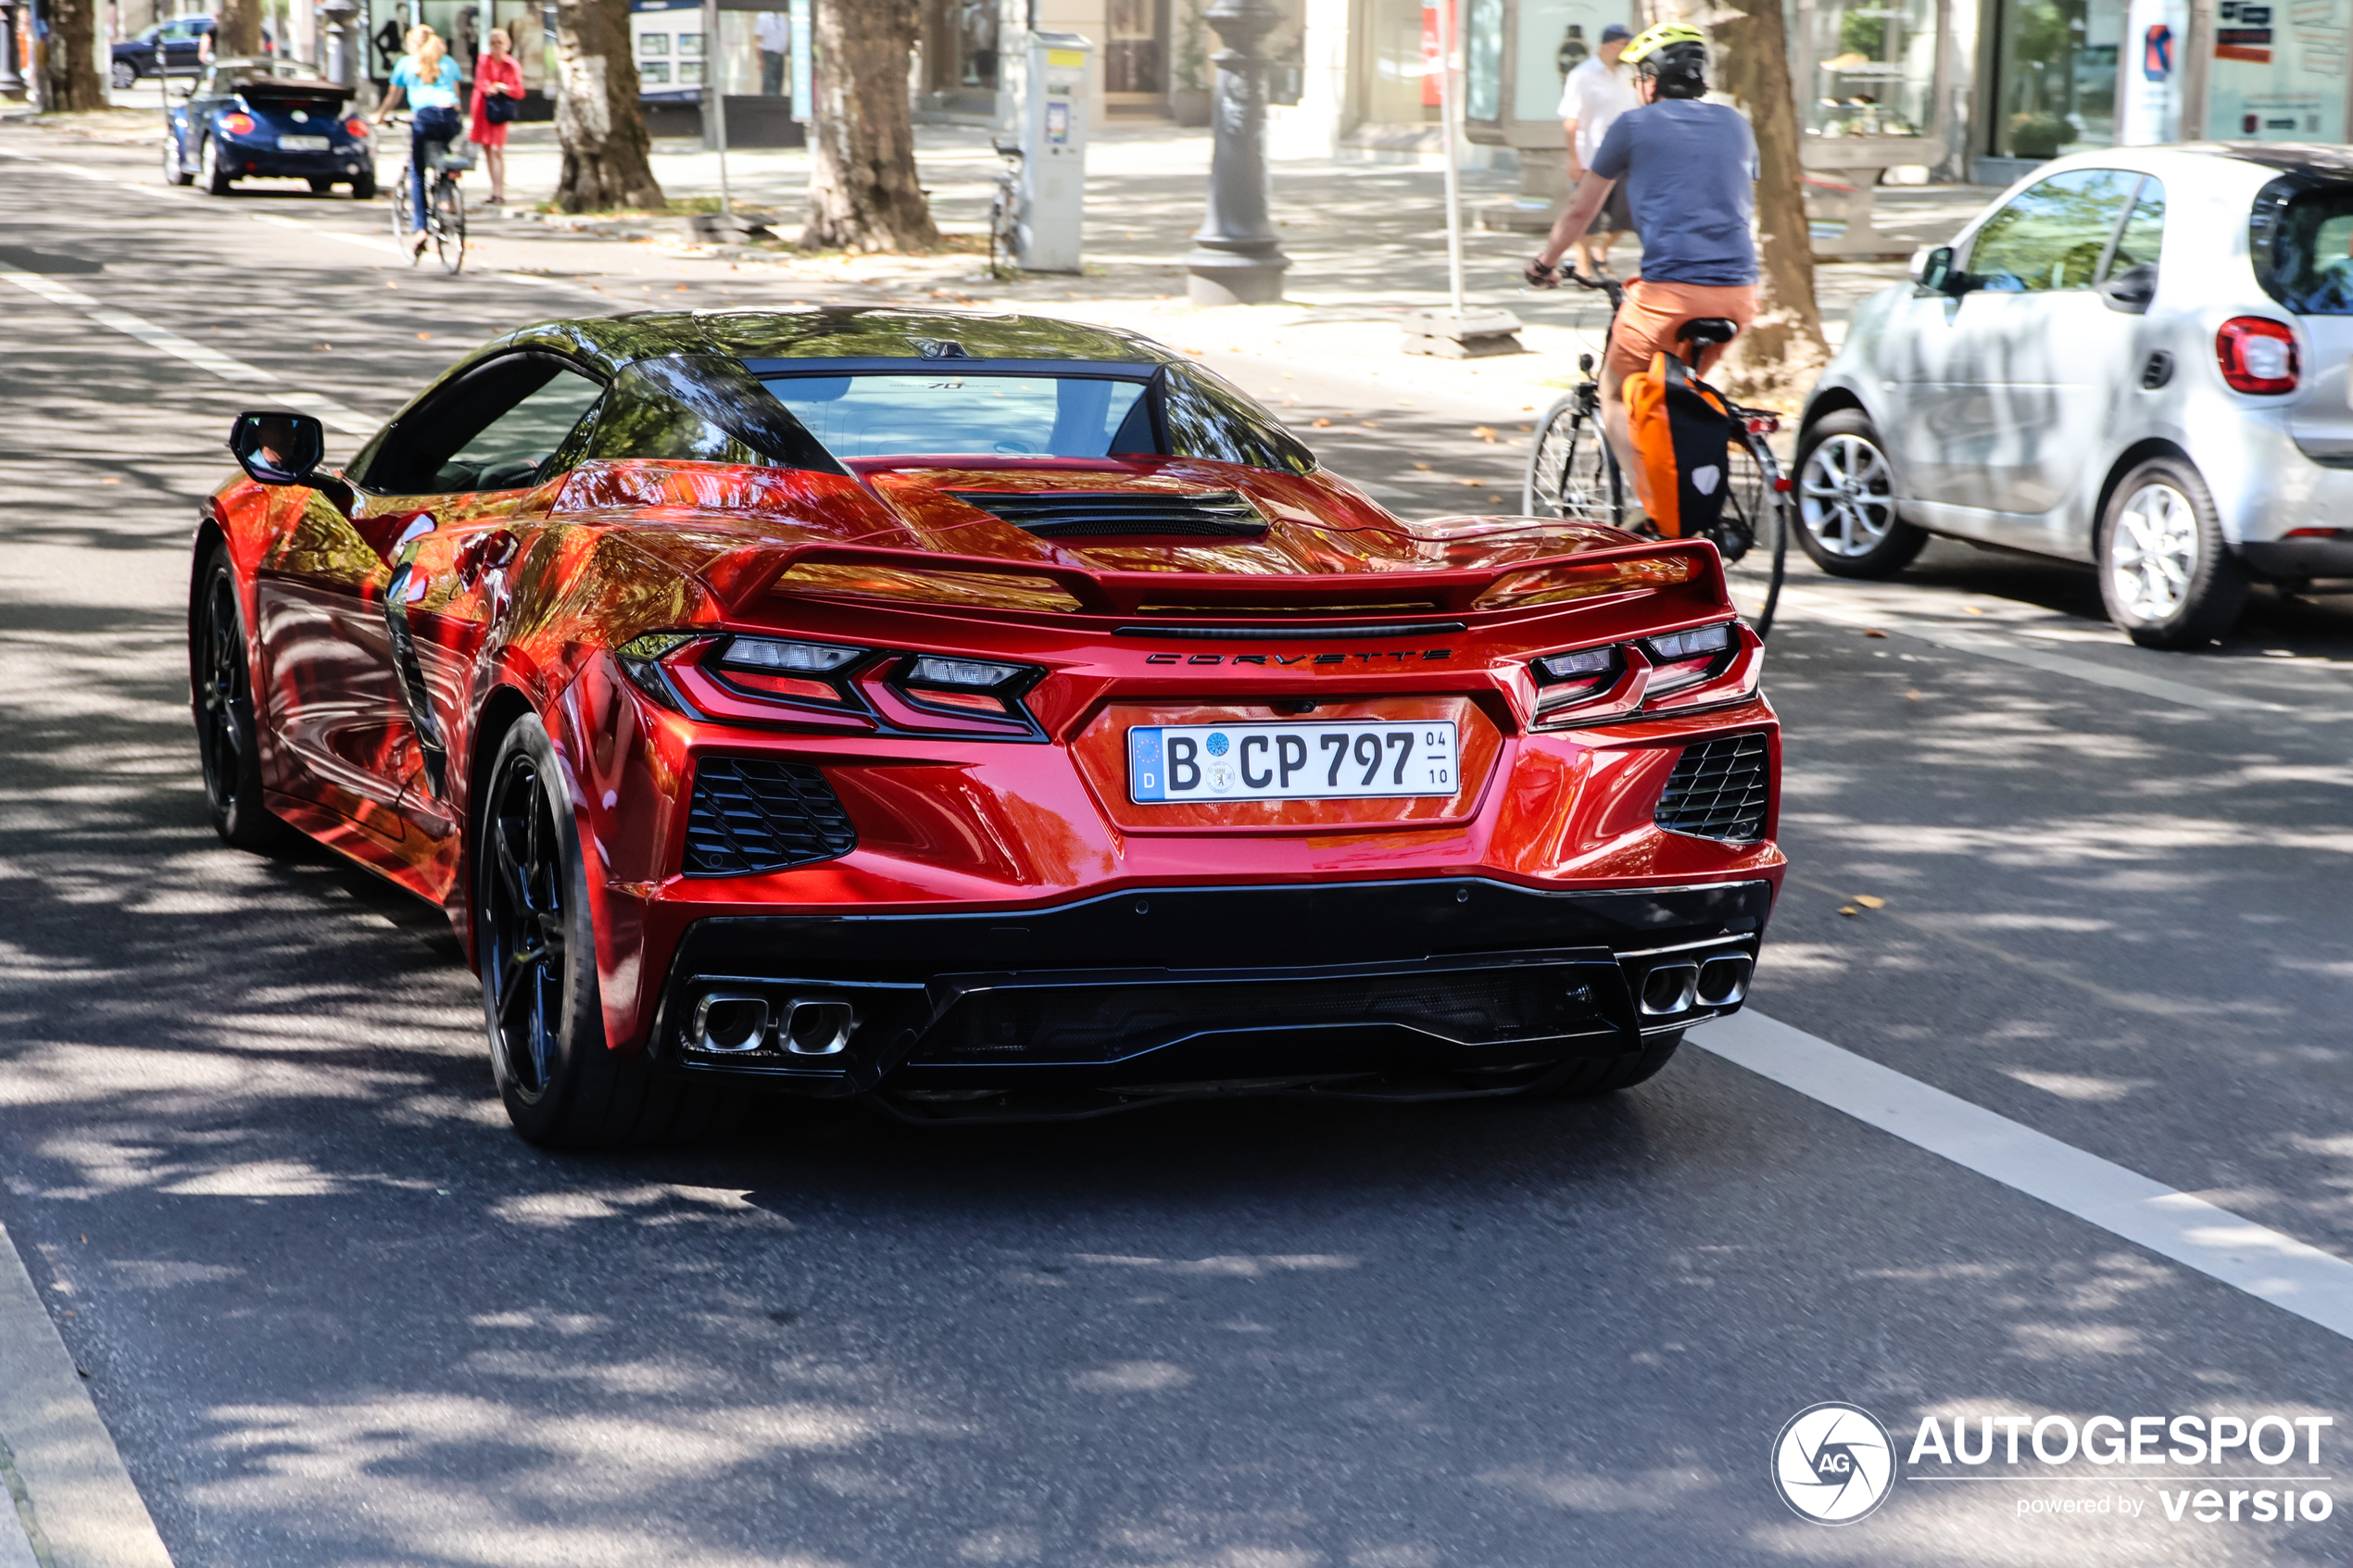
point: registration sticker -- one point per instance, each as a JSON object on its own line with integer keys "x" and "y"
{"x": 1171, "y": 763}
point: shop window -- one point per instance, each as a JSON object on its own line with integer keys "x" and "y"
{"x": 2279, "y": 70}
{"x": 2055, "y": 76}
{"x": 1556, "y": 37}
{"x": 1869, "y": 68}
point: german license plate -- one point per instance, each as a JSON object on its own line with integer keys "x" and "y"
{"x": 1169, "y": 763}
{"x": 303, "y": 143}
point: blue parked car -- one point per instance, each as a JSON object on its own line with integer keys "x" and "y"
{"x": 253, "y": 117}
{"x": 168, "y": 48}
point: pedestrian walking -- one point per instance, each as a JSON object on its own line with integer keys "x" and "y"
{"x": 773, "y": 31}
{"x": 428, "y": 79}
{"x": 1595, "y": 93}
{"x": 498, "y": 94}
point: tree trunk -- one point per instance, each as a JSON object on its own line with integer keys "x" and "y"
{"x": 237, "y": 29}
{"x": 607, "y": 152}
{"x": 863, "y": 191}
{"x": 1776, "y": 362}
{"x": 69, "y": 81}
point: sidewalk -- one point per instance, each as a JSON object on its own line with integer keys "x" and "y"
{"x": 1367, "y": 243}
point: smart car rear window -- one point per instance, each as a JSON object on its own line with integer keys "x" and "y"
{"x": 949, "y": 411}
{"x": 2308, "y": 263}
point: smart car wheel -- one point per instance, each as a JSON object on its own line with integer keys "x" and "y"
{"x": 564, "y": 1087}
{"x": 2166, "y": 576}
{"x": 210, "y": 175}
{"x": 1847, "y": 517}
{"x": 126, "y": 75}
{"x": 173, "y": 173}
{"x": 220, "y": 686}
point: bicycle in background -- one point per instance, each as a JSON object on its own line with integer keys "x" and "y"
{"x": 1572, "y": 473}
{"x": 445, "y": 214}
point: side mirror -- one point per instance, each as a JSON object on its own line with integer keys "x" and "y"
{"x": 2131, "y": 290}
{"x": 287, "y": 449}
{"x": 1932, "y": 269}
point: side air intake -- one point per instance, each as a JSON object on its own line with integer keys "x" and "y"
{"x": 1063, "y": 514}
{"x": 1717, "y": 790}
{"x": 748, "y": 815}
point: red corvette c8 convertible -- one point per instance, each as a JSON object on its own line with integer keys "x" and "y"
{"x": 991, "y": 715}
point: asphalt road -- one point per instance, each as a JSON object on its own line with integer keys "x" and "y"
{"x": 335, "y": 1313}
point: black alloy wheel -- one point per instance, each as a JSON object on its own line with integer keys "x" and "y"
{"x": 562, "y": 1084}
{"x": 220, "y": 683}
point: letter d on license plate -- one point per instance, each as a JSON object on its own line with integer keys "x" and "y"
{"x": 1169, "y": 763}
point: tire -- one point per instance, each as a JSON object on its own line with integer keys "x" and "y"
{"x": 173, "y": 173}
{"x": 209, "y": 177}
{"x": 363, "y": 188}
{"x": 449, "y": 240}
{"x": 562, "y": 1085}
{"x": 2166, "y": 576}
{"x": 321, "y": 186}
{"x": 1847, "y": 518}
{"x": 403, "y": 217}
{"x": 1571, "y": 472}
{"x": 1587, "y": 1077}
{"x": 220, "y": 696}
{"x": 1754, "y": 535}
{"x": 125, "y": 76}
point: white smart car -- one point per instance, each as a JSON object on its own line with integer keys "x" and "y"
{"x": 2135, "y": 358}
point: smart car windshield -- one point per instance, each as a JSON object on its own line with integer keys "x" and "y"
{"x": 2310, "y": 270}
{"x": 944, "y": 411}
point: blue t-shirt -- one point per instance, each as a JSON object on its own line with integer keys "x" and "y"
{"x": 1690, "y": 172}
{"x": 439, "y": 94}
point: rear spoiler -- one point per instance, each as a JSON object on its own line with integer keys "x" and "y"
{"x": 992, "y": 582}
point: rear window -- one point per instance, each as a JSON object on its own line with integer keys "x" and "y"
{"x": 950, "y": 413}
{"x": 2308, "y": 265}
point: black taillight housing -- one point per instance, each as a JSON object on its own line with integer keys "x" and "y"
{"x": 964, "y": 686}
{"x": 1620, "y": 680}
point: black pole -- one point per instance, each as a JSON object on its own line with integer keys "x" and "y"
{"x": 1236, "y": 258}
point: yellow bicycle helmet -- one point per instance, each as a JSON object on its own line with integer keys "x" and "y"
{"x": 1652, "y": 41}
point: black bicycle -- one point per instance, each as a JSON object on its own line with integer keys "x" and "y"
{"x": 445, "y": 214}
{"x": 1572, "y": 473}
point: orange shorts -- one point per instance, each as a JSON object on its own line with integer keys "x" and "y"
{"x": 1647, "y": 323}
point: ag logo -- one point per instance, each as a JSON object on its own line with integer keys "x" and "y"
{"x": 1833, "y": 1463}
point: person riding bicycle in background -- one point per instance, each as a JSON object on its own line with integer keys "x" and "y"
{"x": 431, "y": 79}
{"x": 1690, "y": 171}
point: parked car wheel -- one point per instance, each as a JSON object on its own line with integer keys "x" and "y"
{"x": 363, "y": 188}
{"x": 210, "y": 177}
{"x": 564, "y": 1087}
{"x": 2166, "y": 574}
{"x": 320, "y": 185}
{"x": 125, "y": 76}
{"x": 173, "y": 173}
{"x": 1848, "y": 516}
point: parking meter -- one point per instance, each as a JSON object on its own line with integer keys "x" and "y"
{"x": 1053, "y": 146}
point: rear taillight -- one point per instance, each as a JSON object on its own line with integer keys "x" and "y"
{"x": 355, "y": 126}
{"x": 1576, "y": 687}
{"x": 2256, "y": 355}
{"x": 1563, "y": 680}
{"x": 237, "y": 124}
{"x": 972, "y": 685}
{"x": 804, "y": 672}
{"x": 1685, "y": 659}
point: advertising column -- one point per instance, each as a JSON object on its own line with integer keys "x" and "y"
{"x": 2156, "y": 38}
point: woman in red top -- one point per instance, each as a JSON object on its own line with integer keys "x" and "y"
{"x": 496, "y": 73}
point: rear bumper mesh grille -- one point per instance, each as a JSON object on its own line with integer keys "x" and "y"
{"x": 749, "y": 815}
{"x": 1221, "y": 514}
{"x": 1717, "y": 790}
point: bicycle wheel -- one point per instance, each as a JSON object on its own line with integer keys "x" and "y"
{"x": 404, "y": 218}
{"x": 1753, "y": 535}
{"x": 449, "y": 225}
{"x": 1570, "y": 471}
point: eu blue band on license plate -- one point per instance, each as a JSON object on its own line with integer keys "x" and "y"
{"x": 1171, "y": 764}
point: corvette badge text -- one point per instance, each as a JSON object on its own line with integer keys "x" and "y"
{"x": 1835, "y": 1463}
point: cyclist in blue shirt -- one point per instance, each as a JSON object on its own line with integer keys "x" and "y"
{"x": 430, "y": 80}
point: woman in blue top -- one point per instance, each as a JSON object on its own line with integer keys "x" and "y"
{"x": 430, "y": 80}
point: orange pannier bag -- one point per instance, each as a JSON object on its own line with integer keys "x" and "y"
{"x": 1682, "y": 430}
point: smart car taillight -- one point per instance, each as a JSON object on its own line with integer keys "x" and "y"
{"x": 2256, "y": 354}
{"x": 237, "y": 124}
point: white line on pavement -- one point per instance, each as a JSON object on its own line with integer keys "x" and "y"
{"x": 2315, "y": 1286}
{"x": 1989, "y": 645}
{"x": 350, "y": 422}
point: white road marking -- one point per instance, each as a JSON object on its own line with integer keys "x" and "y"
{"x": 276, "y": 221}
{"x": 2291, "y": 1275}
{"x": 1991, "y": 646}
{"x": 350, "y": 422}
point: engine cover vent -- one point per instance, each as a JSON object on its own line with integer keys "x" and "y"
{"x": 749, "y": 815}
{"x": 1717, "y": 790}
{"x": 1067, "y": 514}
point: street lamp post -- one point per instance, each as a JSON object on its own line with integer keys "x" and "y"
{"x": 11, "y": 79}
{"x": 337, "y": 18}
{"x": 1236, "y": 258}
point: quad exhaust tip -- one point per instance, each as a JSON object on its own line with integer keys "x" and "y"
{"x": 1670, "y": 988}
{"x": 735, "y": 1023}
